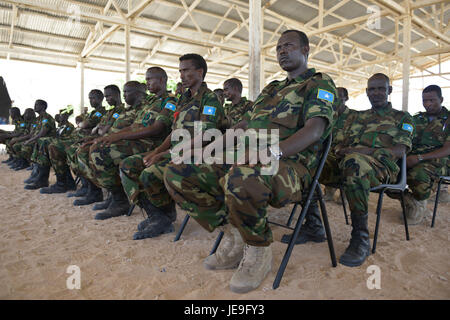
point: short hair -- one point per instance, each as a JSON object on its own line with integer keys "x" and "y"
{"x": 42, "y": 102}
{"x": 381, "y": 75}
{"x": 78, "y": 119}
{"x": 433, "y": 88}
{"x": 303, "y": 38}
{"x": 160, "y": 71}
{"x": 137, "y": 85}
{"x": 343, "y": 89}
{"x": 218, "y": 90}
{"x": 14, "y": 110}
{"x": 112, "y": 87}
{"x": 235, "y": 83}
{"x": 199, "y": 62}
{"x": 97, "y": 93}
{"x": 29, "y": 110}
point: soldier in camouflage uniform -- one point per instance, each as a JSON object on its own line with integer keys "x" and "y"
{"x": 239, "y": 105}
{"x": 301, "y": 108}
{"x": 150, "y": 127}
{"x": 64, "y": 132}
{"x": 367, "y": 157}
{"x": 220, "y": 95}
{"x": 78, "y": 155}
{"x": 142, "y": 175}
{"x": 342, "y": 114}
{"x": 429, "y": 157}
{"x": 58, "y": 149}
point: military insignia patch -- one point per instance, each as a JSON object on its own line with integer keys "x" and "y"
{"x": 407, "y": 127}
{"x": 45, "y": 121}
{"x": 170, "y": 106}
{"x": 98, "y": 114}
{"x": 22, "y": 125}
{"x": 209, "y": 111}
{"x": 325, "y": 95}
{"x": 116, "y": 115}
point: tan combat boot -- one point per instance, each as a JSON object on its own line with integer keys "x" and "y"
{"x": 415, "y": 210}
{"x": 253, "y": 269}
{"x": 229, "y": 253}
{"x": 329, "y": 193}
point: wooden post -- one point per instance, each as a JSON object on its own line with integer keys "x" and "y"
{"x": 254, "y": 70}
{"x": 127, "y": 53}
{"x": 406, "y": 59}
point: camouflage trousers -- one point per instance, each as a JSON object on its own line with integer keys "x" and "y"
{"x": 104, "y": 161}
{"x": 8, "y": 146}
{"x": 58, "y": 156}
{"x": 139, "y": 181}
{"x": 24, "y": 151}
{"x": 78, "y": 160}
{"x": 422, "y": 179}
{"x": 214, "y": 195}
{"x": 358, "y": 173}
{"x": 40, "y": 153}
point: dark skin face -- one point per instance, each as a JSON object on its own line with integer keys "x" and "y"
{"x": 132, "y": 95}
{"x": 378, "y": 91}
{"x": 432, "y": 103}
{"x": 231, "y": 93}
{"x": 191, "y": 77}
{"x": 39, "y": 108}
{"x": 15, "y": 115}
{"x": 29, "y": 115}
{"x": 112, "y": 97}
{"x": 291, "y": 55}
{"x": 95, "y": 100}
{"x": 343, "y": 98}
{"x": 155, "y": 83}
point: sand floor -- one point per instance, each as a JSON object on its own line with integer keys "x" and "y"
{"x": 42, "y": 235}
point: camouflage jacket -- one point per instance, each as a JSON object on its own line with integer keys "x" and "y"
{"x": 381, "y": 129}
{"x": 431, "y": 135}
{"x": 126, "y": 118}
{"x": 288, "y": 105}
{"x": 203, "y": 107}
{"x": 94, "y": 117}
{"x": 338, "y": 128}
{"x": 234, "y": 113}
{"x": 48, "y": 122}
{"x": 112, "y": 115}
{"x": 65, "y": 130}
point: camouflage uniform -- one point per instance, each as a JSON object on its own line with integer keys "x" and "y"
{"x": 428, "y": 136}
{"x": 234, "y": 113}
{"x": 104, "y": 161}
{"x": 20, "y": 126}
{"x": 375, "y": 128}
{"x": 150, "y": 180}
{"x": 59, "y": 148}
{"x": 43, "y": 121}
{"x": 77, "y": 157}
{"x": 284, "y": 105}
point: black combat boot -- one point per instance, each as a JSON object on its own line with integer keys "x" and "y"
{"x": 23, "y": 164}
{"x": 8, "y": 160}
{"x": 103, "y": 205}
{"x": 359, "y": 247}
{"x": 94, "y": 194}
{"x": 119, "y": 205}
{"x": 83, "y": 191}
{"x": 311, "y": 230}
{"x": 14, "y": 163}
{"x": 62, "y": 185}
{"x": 159, "y": 221}
{"x": 33, "y": 175}
{"x": 41, "y": 179}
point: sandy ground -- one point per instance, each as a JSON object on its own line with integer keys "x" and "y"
{"x": 42, "y": 235}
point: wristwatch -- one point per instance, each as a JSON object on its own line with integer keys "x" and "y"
{"x": 419, "y": 157}
{"x": 276, "y": 152}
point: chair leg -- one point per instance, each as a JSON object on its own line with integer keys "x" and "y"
{"x": 291, "y": 245}
{"x": 323, "y": 210}
{"x": 217, "y": 243}
{"x": 404, "y": 215}
{"x": 288, "y": 223}
{"x": 183, "y": 225}
{"x": 375, "y": 237}
{"x": 436, "y": 202}
{"x": 341, "y": 191}
{"x": 130, "y": 211}
{"x": 77, "y": 181}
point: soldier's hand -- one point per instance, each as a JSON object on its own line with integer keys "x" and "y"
{"x": 148, "y": 157}
{"x": 155, "y": 158}
{"x": 412, "y": 161}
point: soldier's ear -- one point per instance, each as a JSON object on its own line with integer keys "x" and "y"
{"x": 390, "y": 89}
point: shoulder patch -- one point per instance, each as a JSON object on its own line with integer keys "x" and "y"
{"x": 407, "y": 127}
{"x": 98, "y": 114}
{"x": 45, "y": 121}
{"x": 325, "y": 95}
{"x": 115, "y": 115}
{"x": 22, "y": 125}
{"x": 209, "y": 111}
{"x": 170, "y": 106}
{"x": 34, "y": 125}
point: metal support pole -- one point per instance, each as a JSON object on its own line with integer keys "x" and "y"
{"x": 254, "y": 70}
{"x": 406, "y": 59}
{"x": 127, "y": 53}
{"x": 79, "y": 110}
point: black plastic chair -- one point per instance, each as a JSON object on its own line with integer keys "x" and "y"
{"x": 442, "y": 180}
{"x": 398, "y": 187}
{"x": 315, "y": 187}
